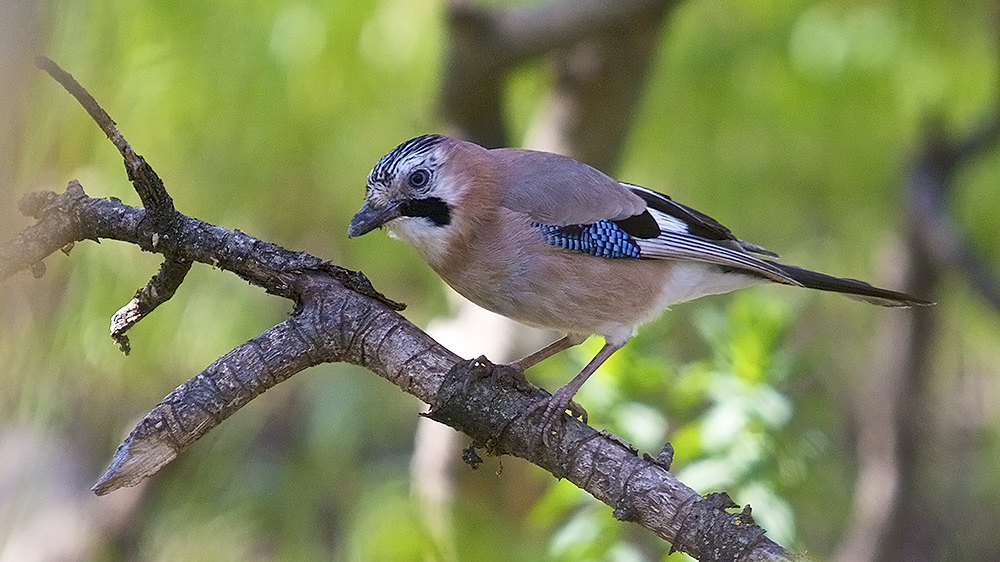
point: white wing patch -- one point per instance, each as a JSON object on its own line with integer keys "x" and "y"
{"x": 679, "y": 239}
{"x": 668, "y": 223}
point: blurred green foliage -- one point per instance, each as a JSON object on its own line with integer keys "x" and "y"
{"x": 791, "y": 122}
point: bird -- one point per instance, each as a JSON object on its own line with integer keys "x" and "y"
{"x": 552, "y": 242}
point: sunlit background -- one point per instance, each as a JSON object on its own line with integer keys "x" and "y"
{"x": 793, "y": 123}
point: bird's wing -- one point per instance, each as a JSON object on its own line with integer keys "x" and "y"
{"x": 680, "y": 245}
{"x": 557, "y": 190}
{"x": 692, "y": 221}
{"x": 685, "y": 233}
{"x": 577, "y": 207}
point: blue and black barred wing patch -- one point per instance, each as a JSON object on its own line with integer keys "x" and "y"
{"x": 603, "y": 238}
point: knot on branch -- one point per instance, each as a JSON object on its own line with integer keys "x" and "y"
{"x": 664, "y": 459}
{"x": 711, "y": 533}
{"x": 359, "y": 283}
{"x": 480, "y": 398}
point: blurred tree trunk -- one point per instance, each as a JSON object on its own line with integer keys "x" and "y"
{"x": 911, "y": 498}
{"x": 601, "y": 52}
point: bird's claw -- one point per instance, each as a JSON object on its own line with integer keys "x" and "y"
{"x": 515, "y": 373}
{"x": 555, "y": 406}
{"x": 509, "y": 373}
{"x": 577, "y": 411}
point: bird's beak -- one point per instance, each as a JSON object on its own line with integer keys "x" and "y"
{"x": 368, "y": 218}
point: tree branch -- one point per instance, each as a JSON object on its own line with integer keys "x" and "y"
{"x": 147, "y": 183}
{"x": 158, "y": 291}
{"x": 338, "y": 316}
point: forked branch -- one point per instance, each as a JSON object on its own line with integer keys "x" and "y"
{"x": 338, "y": 316}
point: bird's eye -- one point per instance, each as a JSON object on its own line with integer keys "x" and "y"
{"x": 419, "y": 178}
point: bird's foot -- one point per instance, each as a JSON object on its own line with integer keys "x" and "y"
{"x": 555, "y": 406}
{"x": 511, "y": 373}
{"x": 514, "y": 373}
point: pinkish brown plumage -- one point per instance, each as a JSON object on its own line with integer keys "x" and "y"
{"x": 552, "y": 242}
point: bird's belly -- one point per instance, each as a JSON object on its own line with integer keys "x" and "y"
{"x": 582, "y": 294}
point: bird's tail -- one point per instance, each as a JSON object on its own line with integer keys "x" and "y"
{"x": 850, "y": 287}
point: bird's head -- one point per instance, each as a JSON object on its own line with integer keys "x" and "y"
{"x": 405, "y": 186}
{"x": 415, "y": 190}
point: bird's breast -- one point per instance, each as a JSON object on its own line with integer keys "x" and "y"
{"x": 508, "y": 268}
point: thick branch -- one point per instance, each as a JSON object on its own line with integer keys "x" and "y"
{"x": 335, "y": 322}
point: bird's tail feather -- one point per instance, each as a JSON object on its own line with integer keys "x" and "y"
{"x": 850, "y": 287}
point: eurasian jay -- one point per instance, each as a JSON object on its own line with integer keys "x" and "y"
{"x": 551, "y": 242}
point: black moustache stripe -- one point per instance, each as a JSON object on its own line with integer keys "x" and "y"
{"x": 433, "y": 208}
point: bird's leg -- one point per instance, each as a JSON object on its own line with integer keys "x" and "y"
{"x": 518, "y": 367}
{"x": 563, "y": 398}
{"x": 544, "y": 353}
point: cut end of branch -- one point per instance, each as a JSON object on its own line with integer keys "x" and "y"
{"x": 35, "y": 203}
{"x": 134, "y": 460}
{"x": 122, "y": 320}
